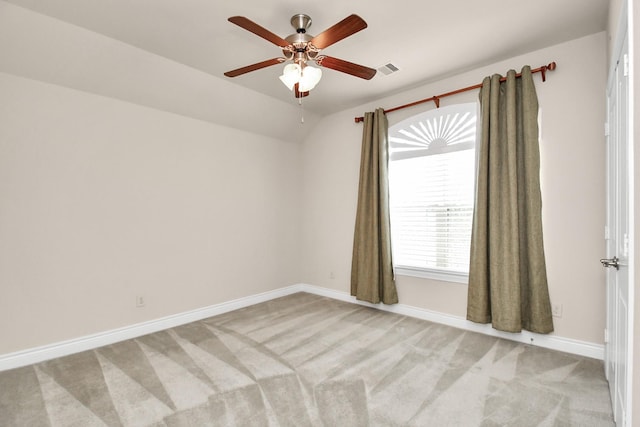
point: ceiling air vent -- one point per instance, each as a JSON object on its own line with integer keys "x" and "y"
{"x": 388, "y": 69}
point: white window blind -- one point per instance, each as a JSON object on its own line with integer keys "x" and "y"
{"x": 431, "y": 184}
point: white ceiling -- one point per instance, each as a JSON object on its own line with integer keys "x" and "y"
{"x": 425, "y": 39}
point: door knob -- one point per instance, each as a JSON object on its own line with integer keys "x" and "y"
{"x": 611, "y": 262}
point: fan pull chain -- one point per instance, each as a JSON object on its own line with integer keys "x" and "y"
{"x": 301, "y": 111}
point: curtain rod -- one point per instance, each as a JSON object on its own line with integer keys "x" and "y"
{"x": 436, "y": 99}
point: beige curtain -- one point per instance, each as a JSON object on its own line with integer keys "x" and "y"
{"x": 371, "y": 267}
{"x": 507, "y": 275}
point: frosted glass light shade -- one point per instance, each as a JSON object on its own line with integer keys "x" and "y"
{"x": 290, "y": 75}
{"x": 307, "y": 77}
{"x": 310, "y": 78}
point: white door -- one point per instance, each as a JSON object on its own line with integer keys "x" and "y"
{"x": 618, "y": 211}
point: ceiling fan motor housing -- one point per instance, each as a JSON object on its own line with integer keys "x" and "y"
{"x": 300, "y": 40}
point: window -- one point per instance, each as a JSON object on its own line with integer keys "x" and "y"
{"x": 431, "y": 187}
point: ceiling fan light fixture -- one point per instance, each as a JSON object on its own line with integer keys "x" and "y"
{"x": 309, "y": 78}
{"x": 290, "y": 75}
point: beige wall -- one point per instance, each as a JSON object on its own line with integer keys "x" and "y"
{"x": 572, "y": 150}
{"x": 103, "y": 200}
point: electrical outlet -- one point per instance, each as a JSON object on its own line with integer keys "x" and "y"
{"x": 140, "y": 301}
{"x": 556, "y": 310}
{"x": 332, "y": 275}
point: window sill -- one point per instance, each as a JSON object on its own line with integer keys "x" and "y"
{"x": 424, "y": 273}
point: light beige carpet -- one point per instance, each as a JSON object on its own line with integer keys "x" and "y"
{"x": 305, "y": 360}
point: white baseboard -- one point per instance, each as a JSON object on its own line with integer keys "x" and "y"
{"x": 89, "y": 342}
{"x": 554, "y": 342}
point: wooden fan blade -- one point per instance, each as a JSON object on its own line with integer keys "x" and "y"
{"x": 256, "y": 29}
{"x": 348, "y": 26}
{"x": 346, "y": 67}
{"x": 253, "y": 67}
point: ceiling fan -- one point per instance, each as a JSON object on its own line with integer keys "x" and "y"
{"x": 301, "y": 48}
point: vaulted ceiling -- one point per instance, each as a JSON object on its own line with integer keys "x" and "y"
{"x": 425, "y": 40}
